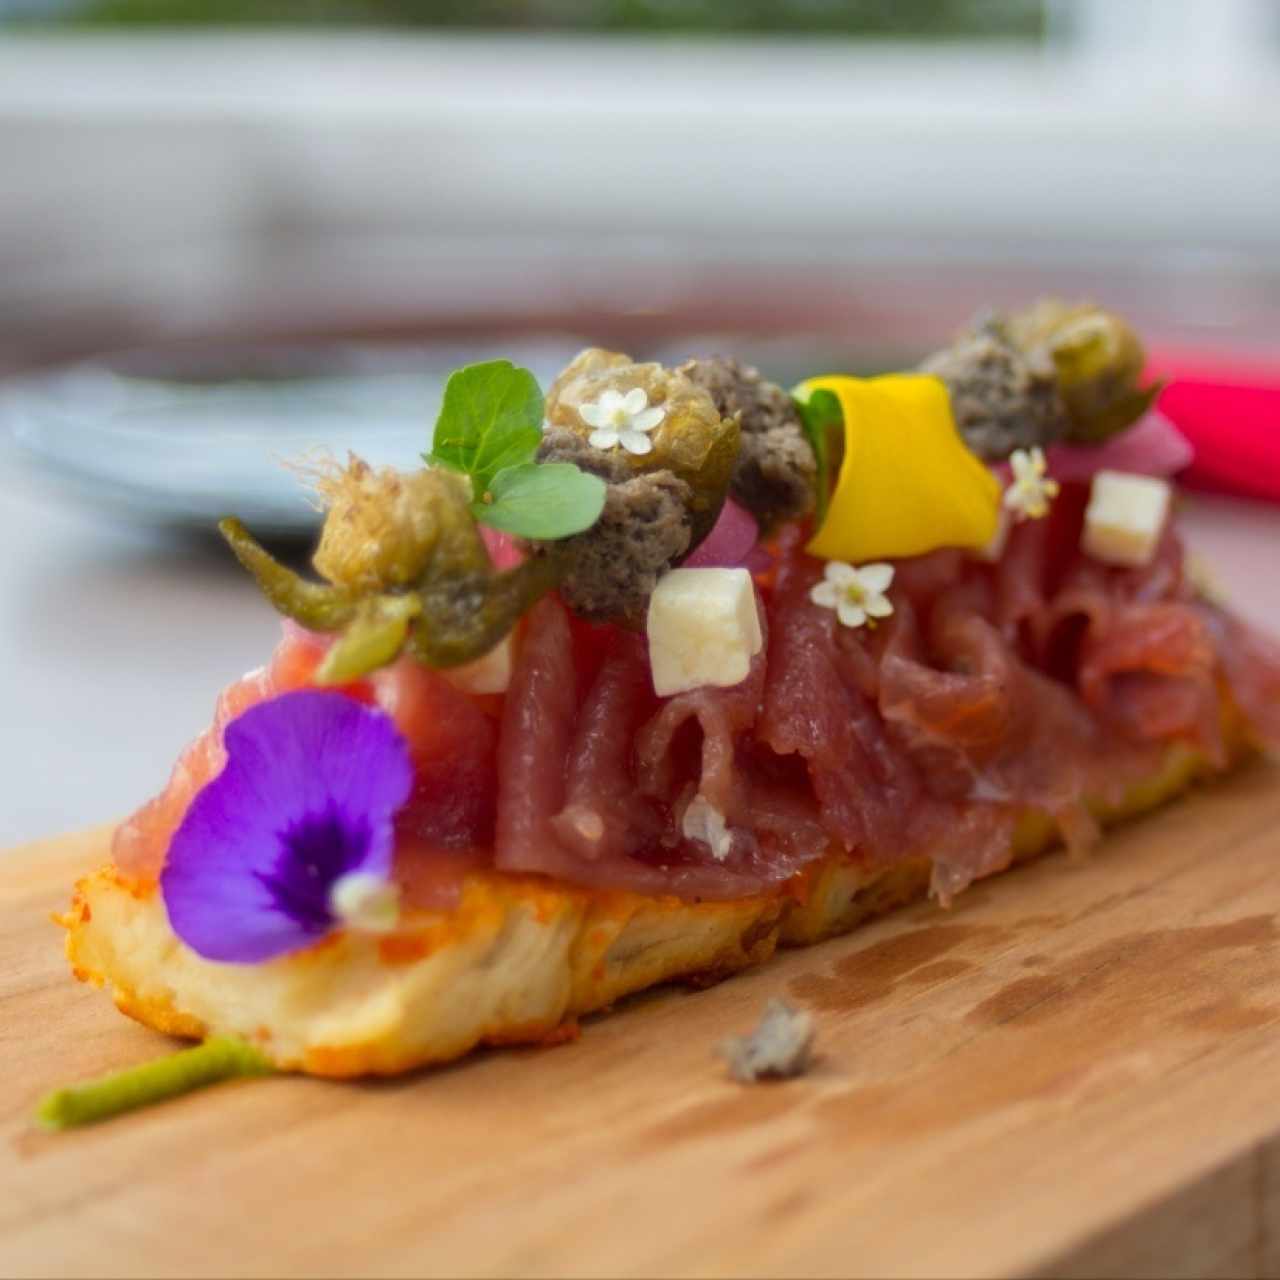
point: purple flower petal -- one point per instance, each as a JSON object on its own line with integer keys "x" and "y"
{"x": 311, "y": 785}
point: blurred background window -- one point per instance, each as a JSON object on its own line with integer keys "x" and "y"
{"x": 189, "y": 166}
{"x": 921, "y": 18}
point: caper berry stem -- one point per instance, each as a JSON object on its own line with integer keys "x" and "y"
{"x": 217, "y": 1059}
{"x": 317, "y": 606}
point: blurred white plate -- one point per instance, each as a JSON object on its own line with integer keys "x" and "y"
{"x": 185, "y": 437}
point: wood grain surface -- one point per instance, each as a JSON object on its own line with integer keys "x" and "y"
{"x": 1074, "y": 1072}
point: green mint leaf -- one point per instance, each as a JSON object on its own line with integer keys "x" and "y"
{"x": 491, "y": 418}
{"x": 820, "y": 412}
{"x": 549, "y": 501}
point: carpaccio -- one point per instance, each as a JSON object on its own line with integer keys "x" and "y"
{"x": 992, "y": 690}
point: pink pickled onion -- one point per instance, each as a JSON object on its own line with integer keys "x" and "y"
{"x": 502, "y": 548}
{"x": 1153, "y": 446}
{"x": 730, "y": 543}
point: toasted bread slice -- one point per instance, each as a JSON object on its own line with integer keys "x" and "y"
{"x": 518, "y": 961}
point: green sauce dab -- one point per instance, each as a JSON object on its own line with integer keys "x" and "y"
{"x": 217, "y": 1059}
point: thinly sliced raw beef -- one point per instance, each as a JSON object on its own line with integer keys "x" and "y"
{"x": 986, "y": 730}
{"x": 816, "y": 706}
{"x": 447, "y": 827}
{"x": 993, "y": 689}
{"x": 721, "y": 716}
{"x": 604, "y": 816}
{"x": 586, "y": 793}
{"x": 1250, "y": 664}
{"x": 1151, "y": 673}
{"x": 533, "y": 743}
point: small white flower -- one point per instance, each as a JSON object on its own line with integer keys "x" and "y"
{"x": 1031, "y": 491}
{"x": 623, "y": 420}
{"x": 857, "y": 595}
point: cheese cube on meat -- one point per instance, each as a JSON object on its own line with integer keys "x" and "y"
{"x": 703, "y": 629}
{"x": 1125, "y": 518}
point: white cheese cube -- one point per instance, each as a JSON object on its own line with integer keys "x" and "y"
{"x": 703, "y": 629}
{"x": 489, "y": 674}
{"x": 1125, "y": 518}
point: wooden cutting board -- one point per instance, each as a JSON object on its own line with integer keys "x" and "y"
{"x": 1074, "y": 1072}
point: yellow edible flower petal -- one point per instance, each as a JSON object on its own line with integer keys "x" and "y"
{"x": 908, "y": 483}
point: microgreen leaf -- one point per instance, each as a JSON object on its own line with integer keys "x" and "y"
{"x": 553, "y": 500}
{"x": 489, "y": 427}
{"x": 820, "y": 412}
{"x": 491, "y": 418}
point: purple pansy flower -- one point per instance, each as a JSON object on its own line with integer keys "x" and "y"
{"x": 294, "y": 836}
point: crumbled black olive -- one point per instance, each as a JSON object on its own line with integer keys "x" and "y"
{"x": 775, "y": 476}
{"x": 1051, "y": 372}
{"x": 1002, "y": 397}
{"x": 645, "y": 528}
